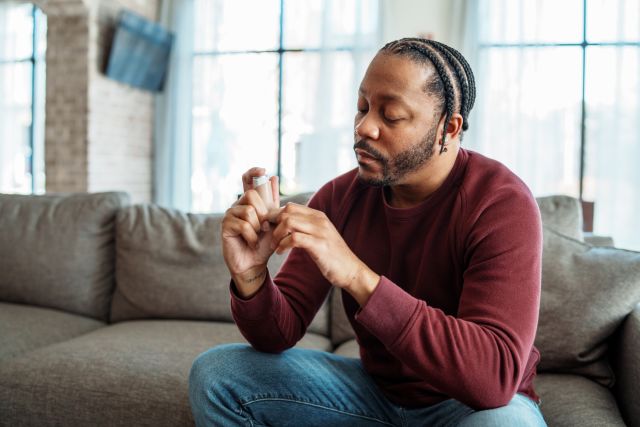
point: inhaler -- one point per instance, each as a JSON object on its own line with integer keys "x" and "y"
{"x": 263, "y": 186}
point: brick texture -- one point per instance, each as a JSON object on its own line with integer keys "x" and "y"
{"x": 98, "y": 132}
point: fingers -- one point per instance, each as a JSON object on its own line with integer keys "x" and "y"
{"x": 247, "y": 177}
{"x": 290, "y": 224}
{"x": 233, "y": 226}
{"x": 295, "y": 239}
{"x": 253, "y": 199}
{"x": 275, "y": 191}
{"x": 298, "y": 218}
{"x": 246, "y": 213}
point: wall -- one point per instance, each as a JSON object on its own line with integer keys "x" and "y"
{"x": 98, "y": 132}
{"x": 413, "y": 18}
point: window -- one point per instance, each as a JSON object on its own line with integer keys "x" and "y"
{"x": 22, "y": 74}
{"x": 274, "y": 85}
{"x": 559, "y": 102}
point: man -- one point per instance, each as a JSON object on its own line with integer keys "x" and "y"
{"x": 437, "y": 253}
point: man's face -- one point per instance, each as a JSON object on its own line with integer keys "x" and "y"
{"x": 397, "y": 121}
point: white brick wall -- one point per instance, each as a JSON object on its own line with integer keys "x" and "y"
{"x": 98, "y": 133}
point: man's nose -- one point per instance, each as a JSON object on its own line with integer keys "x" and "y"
{"x": 367, "y": 128}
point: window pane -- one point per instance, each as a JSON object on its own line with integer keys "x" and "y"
{"x": 236, "y": 25}
{"x": 16, "y": 30}
{"x": 613, "y": 20}
{"x": 39, "y": 99}
{"x": 15, "y": 124}
{"x": 319, "y": 105}
{"x": 612, "y": 174}
{"x": 530, "y": 21}
{"x": 330, "y": 23}
{"x": 527, "y": 114}
{"x": 234, "y": 125}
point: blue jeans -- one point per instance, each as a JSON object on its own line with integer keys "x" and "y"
{"x": 235, "y": 385}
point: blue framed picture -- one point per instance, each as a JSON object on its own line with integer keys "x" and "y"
{"x": 140, "y": 52}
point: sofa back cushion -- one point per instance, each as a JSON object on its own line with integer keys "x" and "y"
{"x": 57, "y": 251}
{"x": 562, "y": 214}
{"x": 169, "y": 264}
{"x": 587, "y": 292}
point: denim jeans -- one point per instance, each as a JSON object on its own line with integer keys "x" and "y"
{"x": 235, "y": 385}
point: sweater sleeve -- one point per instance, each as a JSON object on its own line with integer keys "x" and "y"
{"x": 277, "y": 316}
{"x": 480, "y": 355}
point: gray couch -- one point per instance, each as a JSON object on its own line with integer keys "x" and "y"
{"x": 104, "y": 306}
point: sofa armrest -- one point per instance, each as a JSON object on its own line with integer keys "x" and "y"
{"x": 626, "y": 363}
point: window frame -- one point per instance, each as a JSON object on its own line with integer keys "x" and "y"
{"x": 38, "y": 20}
{"x": 281, "y": 51}
{"x": 584, "y": 44}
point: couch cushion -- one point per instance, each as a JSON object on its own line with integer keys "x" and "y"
{"x": 586, "y": 294}
{"x": 563, "y": 214}
{"x": 572, "y": 400}
{"x": 341, "y": 329}
{"x": 169, "y": 265}
{"x": 131, "y": 373}
{"x": 348, "y": 349}
{"x": 24, "y": 328}
{"x": 57, "y": 251}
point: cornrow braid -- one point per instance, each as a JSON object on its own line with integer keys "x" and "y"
{"x": 463, "y": 83}
{"x": 469, "y": 77}
{"x": 455, "y": 77}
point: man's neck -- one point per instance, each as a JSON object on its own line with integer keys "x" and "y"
{"x": 422, "y": 183}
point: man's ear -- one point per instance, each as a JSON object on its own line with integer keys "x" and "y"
{"x": 454, "y": 127}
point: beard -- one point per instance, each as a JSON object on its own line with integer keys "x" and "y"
{"x": 400, "y": 165}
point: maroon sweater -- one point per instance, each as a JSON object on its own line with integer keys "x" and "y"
{"x": 455, "y": 312}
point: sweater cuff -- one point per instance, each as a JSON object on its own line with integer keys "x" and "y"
{"x": 259, "y": 306}
{"x": 388, "y": 312}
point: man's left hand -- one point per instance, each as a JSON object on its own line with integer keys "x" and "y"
{"x": 302, "y": 227}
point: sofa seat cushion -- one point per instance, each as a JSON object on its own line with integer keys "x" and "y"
{"x": 572, "y": 400}
{"x": 348, "y": 349}
{"x": 130, "y": 373}
{"x": 24, "y": 328}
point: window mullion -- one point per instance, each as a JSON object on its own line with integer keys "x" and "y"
{"x": 34, "y": 46}
{"x": 583, "y": 103}
{"x": 280, "y": 62}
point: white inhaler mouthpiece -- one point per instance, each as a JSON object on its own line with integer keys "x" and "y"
{"x": 263, "y": 186}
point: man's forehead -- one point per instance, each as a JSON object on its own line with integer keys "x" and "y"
{"x": 383, "y": 95}
{"x": 395, "y": 78}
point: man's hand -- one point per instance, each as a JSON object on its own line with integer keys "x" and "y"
{"x": 246, "y": 236}
{"x": 309, "y": 229}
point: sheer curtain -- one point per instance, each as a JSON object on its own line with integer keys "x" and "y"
{"x": 280, "y": 95}
{"x": 528, "y": 60}
{"x": 172, "y": 139}
{"x": 16, "y": 32}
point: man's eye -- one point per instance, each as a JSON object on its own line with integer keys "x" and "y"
{"x": 393, "y": 119}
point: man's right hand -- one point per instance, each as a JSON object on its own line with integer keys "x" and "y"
{"x": 246, "y": 235}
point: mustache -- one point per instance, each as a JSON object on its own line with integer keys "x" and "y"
{"x": 364, "y": 145}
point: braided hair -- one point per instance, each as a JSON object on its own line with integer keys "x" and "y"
{"x": 453, "y": 84}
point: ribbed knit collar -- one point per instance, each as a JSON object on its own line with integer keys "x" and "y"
{"x": 450, "y": 182}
